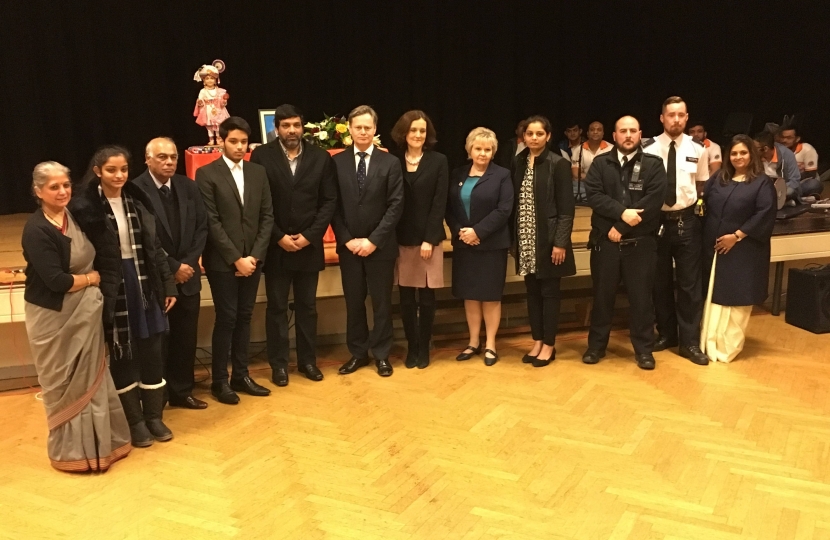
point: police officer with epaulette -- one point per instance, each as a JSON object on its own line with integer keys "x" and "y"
{"x": 625, "y": 190}
{"x": 686, "y": 162}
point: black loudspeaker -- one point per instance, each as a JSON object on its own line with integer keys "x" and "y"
{"x": 808, "y": 299}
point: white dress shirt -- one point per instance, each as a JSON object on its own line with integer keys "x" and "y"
{"x": 625, "y": 158}
{"x": 691, "y": 162}
{"x": 367, "y": 159}
{"x": 238, "y": 177}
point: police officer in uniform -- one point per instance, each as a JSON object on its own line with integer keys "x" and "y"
{"x": 625, "y": 190}
{"x": 686, "y": 162}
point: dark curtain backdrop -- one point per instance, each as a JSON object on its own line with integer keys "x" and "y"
{"x": 76, "y": 75}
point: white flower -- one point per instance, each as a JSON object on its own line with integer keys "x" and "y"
{"x": 310, "y": 125}
{"x": 322, "y": 135}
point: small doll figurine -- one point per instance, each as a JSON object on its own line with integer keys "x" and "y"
{"x": 211, "y": 107}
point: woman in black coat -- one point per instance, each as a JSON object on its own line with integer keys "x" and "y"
{"x": 420, "y": 232}
{"x": 137, "y": 285}
{"x": 479, "y": 205}
{"x": 740, "y": 215}
{"x": 543, "y": 215}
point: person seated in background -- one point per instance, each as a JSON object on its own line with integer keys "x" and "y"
{"x": 779, "y": 162}
{"x": 573, "y": 138}
{"x": 806, "y": 158}
{"x": 698, "y": 132}
{"x": 584, "y": 155}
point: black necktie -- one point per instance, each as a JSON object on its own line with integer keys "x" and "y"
{"x": 165, "y": 191}
{"x": 361, "y": 172}
{"x": 671, "y": 173}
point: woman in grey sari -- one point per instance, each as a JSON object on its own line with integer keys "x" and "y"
{"x": 87, "y": 427}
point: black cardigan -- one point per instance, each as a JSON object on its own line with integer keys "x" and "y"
{"x": 554, "y": 204}
{"x": 47, "y": 252}
{"x": 424, "y": 201}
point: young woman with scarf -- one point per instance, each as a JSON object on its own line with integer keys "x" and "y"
{"x": 137, "y": 285}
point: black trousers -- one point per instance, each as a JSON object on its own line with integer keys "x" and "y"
{"x": 543, "y": 300}
{"x": 684, "y": 245}
{"x": 145, "y": 364}
{"x": 233, "y": 299}
{"x": 417, "y": 315}
{"x": 361, "y": 275}
{"x": 277, "y": 286}
{"x": 611, "y": 261}
{"x": 181, "y": 346}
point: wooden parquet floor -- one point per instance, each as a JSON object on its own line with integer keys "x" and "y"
{"x": 462, "y": 451}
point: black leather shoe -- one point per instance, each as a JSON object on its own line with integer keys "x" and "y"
{"x": 694, "y": 354}
{"x": 311, "y": 372}
{"x": 528, "y": 359}
{"x": 592, "y": 357}
{"x": 542, "y": 362}
{"x": 224, "y": 393}
{"x": 384, "y": 367}
{"x": 353, "y": 365}
{"x": 189, "y": 402}
{"x": 468, "y": 353}
{"x": 492, "y": 359}
{"x": 662, "y": 343}
{"x": 645, "y": 361}
{"x": 248, "y": 386}
{"x": 279, "y": 376}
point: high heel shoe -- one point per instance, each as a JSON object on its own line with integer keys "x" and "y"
{"x": 528, "y": 359}
{"x": 542, "y": 362}
{"x": 468, "y": 353}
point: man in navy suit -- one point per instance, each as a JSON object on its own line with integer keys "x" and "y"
{"x": 178, "y": 206}
{"x": 370, "y": 204}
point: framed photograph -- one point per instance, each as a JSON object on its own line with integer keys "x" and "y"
{"x": 266, "y": 124}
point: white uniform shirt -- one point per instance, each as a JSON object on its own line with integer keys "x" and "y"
{"x": 238, "y": 177}
{"x": 714, "y": 151}
{"x": 806, "y": 156}
{"x": 692, "y": 164}
{"x": 583, "y": 156}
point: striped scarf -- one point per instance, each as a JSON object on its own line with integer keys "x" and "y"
{"x": 118, "y": 334}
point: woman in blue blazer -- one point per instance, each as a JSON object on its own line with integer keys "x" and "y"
{"x": 479, "y": 204}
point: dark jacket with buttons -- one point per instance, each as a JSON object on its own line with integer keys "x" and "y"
{"x": 609, "y": 194}
{"x": 47, "y": 252}
{"x": 491, "y": 203}
{"x": 554, "y": 205}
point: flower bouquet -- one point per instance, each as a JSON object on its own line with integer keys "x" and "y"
{"x": 332, "y": 132}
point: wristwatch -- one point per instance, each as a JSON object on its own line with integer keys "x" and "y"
{"x": 738, "y": 237}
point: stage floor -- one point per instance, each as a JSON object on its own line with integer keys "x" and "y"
{"x": 463, "y": 451}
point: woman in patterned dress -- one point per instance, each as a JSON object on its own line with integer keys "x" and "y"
{"x": 543, "y": 215}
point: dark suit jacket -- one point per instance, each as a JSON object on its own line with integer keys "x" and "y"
{"x": 303, "y": 203}
{"x": 373, "y": 214}
{"x": 193, "y": 226}
{"x": 234, "y": 230}
{"x": 491, "y": 204}
{"x": 424, "y": 201}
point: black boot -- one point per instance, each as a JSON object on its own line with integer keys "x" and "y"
{"x": 140, "y": 436}
{"x": 409, "y": 318}
{"x": 426, "y": 317}
{"x": 153, "y": 401}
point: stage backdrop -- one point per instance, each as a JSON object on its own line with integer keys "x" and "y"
{"x": 75, "y": 75}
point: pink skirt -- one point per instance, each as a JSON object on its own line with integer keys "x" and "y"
{"x": 413, "y": 271}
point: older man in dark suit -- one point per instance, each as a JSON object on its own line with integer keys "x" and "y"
{"x": 178, "y": 205}
{"x": 240, "y": 217}
{"x": 304, "y": 191}
{"x": 370, "y": 203}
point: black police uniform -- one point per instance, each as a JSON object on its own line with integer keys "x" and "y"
{"x": 611, "y": 189}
